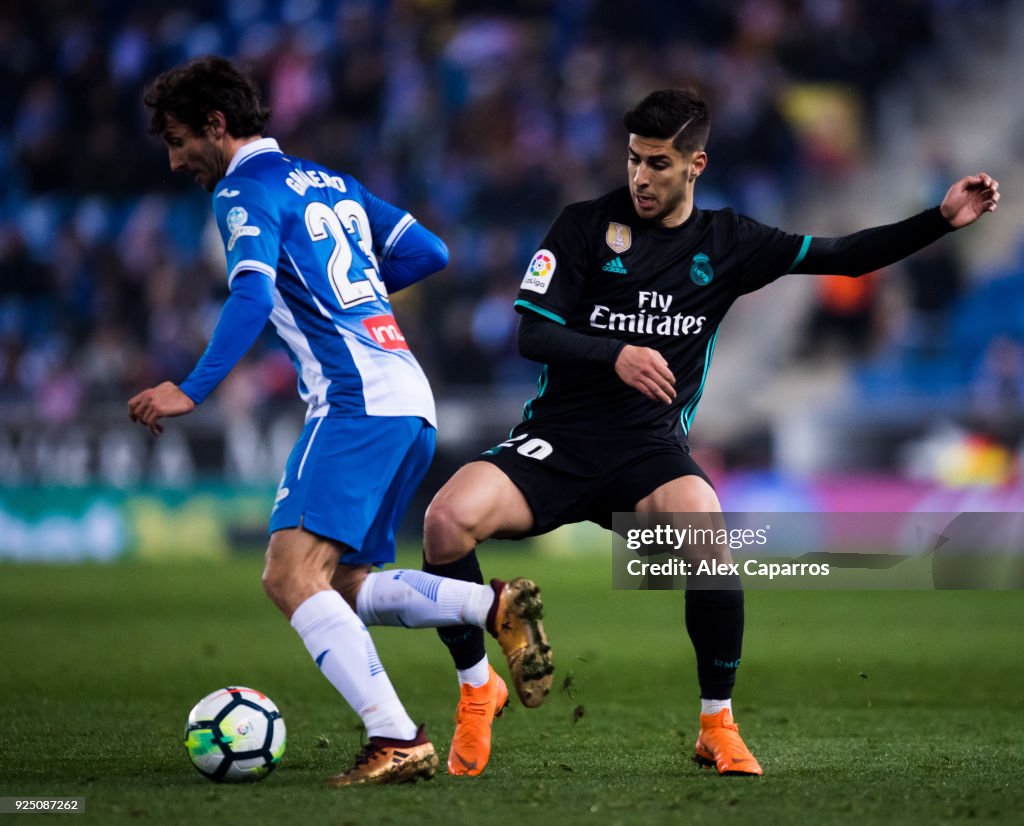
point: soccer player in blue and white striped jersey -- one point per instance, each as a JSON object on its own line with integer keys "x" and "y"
{"x": 316, "y": 253}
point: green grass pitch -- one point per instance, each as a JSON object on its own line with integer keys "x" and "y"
{"x": 884, "y": 706}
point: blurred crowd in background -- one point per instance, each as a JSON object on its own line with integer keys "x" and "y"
{"x": 481, "y": 118}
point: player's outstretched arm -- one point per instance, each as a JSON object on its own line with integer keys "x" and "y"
{"x": 871, "y": 249}
{"x": 149, "y": 406}
{"x": 970, "y": 198}
{"x": 241, "y": 320}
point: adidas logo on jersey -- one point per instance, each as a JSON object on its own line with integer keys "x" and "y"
{"x": 615, "y": 265}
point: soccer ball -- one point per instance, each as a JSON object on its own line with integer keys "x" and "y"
{"x": 235, "y": 735}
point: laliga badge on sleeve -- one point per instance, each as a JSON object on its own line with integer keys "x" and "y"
{"x": 539, "y": 273}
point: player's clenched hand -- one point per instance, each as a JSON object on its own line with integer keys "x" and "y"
{"x": 646, "y": 370}
{"x": 970, "y": 198}
{"x": 149, "y": 406}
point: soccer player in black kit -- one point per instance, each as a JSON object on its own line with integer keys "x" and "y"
{"x": 622, "y": 304}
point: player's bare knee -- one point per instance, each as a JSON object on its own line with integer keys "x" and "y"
{"x": 276, "y": 584}
{"x": 287, "y": 583}
{"x": 685, "y": 495}
{"x": 439, "y": 514}
{"x": 447, "y": 532}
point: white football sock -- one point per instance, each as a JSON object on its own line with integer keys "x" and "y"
{"x": 476, "y": 675}
{"x": 345, "y": 654}
{"x": 420, "y": 600}
{"x": 714, "y": 706}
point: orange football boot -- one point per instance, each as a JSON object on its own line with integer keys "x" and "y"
{"x": 471, "y": 744}
{"x": 515, "y": 621}
{"x": 719, "y": 744}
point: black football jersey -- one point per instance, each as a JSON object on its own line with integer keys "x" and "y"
{"x": 603, "y": 271}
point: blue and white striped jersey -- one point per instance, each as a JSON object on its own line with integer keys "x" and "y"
{"x": 321, "y": 237}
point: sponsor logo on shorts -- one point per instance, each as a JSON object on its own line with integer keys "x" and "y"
{"x": 539, "y": 273}
{"x": 384, "y": 330}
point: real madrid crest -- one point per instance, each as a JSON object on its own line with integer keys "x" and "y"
{"x": 619, "y": 237}
{"x": 701, "y": 271}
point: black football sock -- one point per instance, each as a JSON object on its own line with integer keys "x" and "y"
{"x": 465, "y": 642}
{"x": 714, "y": 621}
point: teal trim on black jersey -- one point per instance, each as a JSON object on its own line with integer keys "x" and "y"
{"x": 540, "y": 310}
{"x": 690, "y": 408}
{"x": 542, "y": 385}
{"x": 800, "y": 255}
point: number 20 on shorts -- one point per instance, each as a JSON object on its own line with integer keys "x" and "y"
{"x": 531, "y": 448}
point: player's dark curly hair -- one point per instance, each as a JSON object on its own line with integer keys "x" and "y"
{"x": 190, "y": 93}
{"x": 679, "y": 114}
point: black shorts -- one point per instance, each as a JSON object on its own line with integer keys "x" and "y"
{"x": 567, "y": 477}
